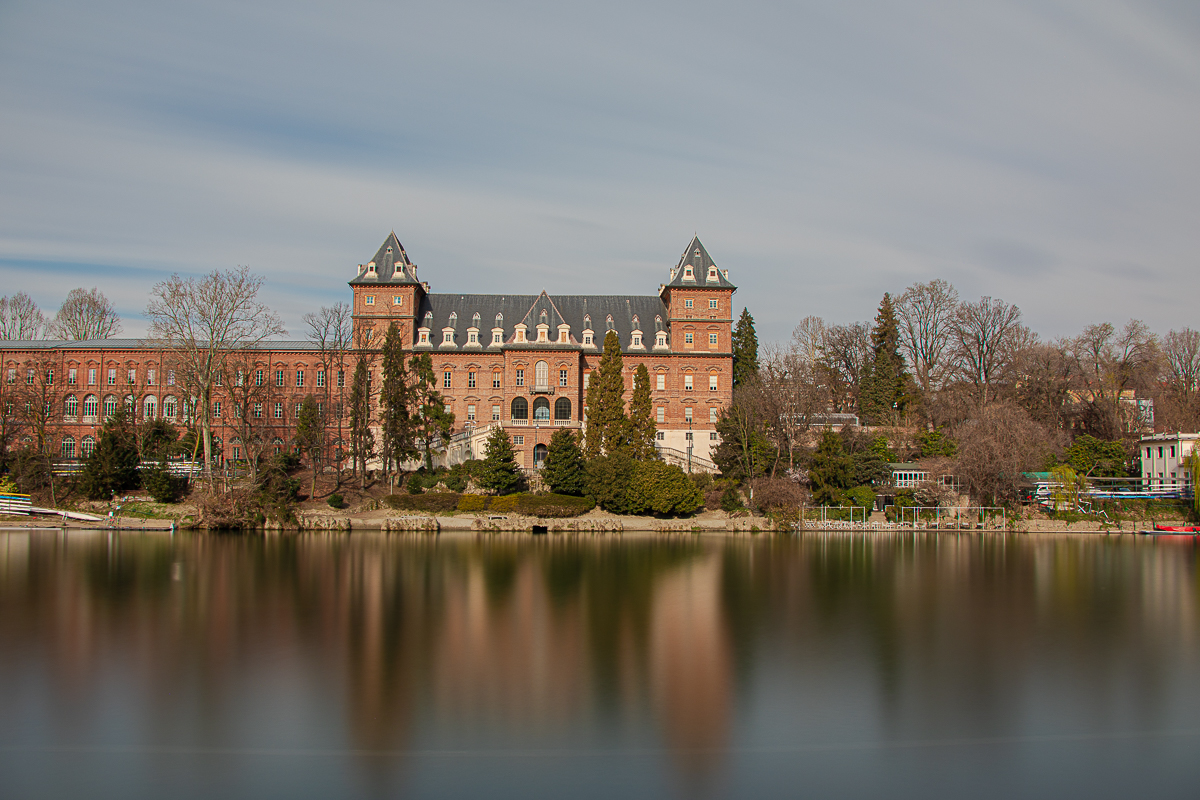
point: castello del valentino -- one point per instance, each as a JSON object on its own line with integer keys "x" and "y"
{"x": 521, "y": 361}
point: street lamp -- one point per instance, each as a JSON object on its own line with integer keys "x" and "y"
{"x": 689, "y": 441}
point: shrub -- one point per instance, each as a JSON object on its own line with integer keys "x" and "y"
{"x": 863, "y": 496}
{"x": 162, "y": 485}
{"x": 610, "y": 481}
{"x": 775, "y": 494}
{"x": 458, "y": 476}
{"x": 336, "y": 501}
{"x": 731, "y": 500}
{"x": 553, "y": 505}
{"x": 433, "y": 503}
{"x": 472, "y": 502}
{"x": 664, "y": 489}
{"x": 505, "y": 504}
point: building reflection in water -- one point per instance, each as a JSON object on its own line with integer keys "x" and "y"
{"x": 380, "y": 645}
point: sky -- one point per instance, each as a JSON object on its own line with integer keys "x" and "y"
{"x": 1043, "y": 152}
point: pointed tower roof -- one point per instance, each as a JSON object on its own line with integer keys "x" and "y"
{"x": 389, "y": 266}
{"x": 702, "y": 265}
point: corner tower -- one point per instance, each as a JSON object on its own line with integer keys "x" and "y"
{"x": 386, "y": 290}
{"x": 699, "y": 301}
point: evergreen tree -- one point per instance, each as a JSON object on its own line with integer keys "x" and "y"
{"x": 396, "y": 405}
{"x": 499, "y": 472}
{"x": 607, "y": 429}
{"x": 431, "y": 421}
{"x": 642, "y": 428}
{"x": 610, "y": 479}
{"x": 563, "y": 470}
{"x": 745, "y": 452}
{"x": 883, "y": 388}
{"x": 310, "y": 436}
{"x": 362, "y": 440}
{"x": 745, "y": 349}
{"x": 831, "y": 471}
{"x": 113, "y": 465}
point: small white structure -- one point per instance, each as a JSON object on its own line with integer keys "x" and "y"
{"x": 1162, "y": 459}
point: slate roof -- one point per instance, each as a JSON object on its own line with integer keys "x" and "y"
{"x": 651, "y": 312}
{"x": 392, "y": 266}
{"x": 698, "y": 258}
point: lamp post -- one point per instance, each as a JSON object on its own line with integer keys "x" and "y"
{"x": 689, "y": 441}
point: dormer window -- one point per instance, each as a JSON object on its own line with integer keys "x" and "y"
{"x": 369, "y": 300}
{"x": 687, "y": 274}
{"x": 499, "y": 320}
{"x": 587, "y": 339}
{"x": 371, "y": 268}
{"x": 636, "y": 340}
{"x": 447, "y": 337}
{"x": 587, "y": 321}
{"x": 475, "y": 320}
{"x": 453, "y": 318}
{"x": 542, "y": 317}
{"x": 428, "y": 319}
{"x": 472, "y": 337}
{"x": 423, "y": 337}
{"x": 660, "y": 340}
{"x": 608, "y": 323}
{"x": 636, "y": 324}
{"x": 497, "y": 336}
{"x": 712, "y": 273}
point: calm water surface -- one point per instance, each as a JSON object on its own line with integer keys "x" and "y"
{"x": 141, "y": 666}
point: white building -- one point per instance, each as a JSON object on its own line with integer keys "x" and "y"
{"x": 1162, "y": 459}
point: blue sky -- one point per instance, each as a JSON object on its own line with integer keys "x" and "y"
{"x": 1043, "y": 152}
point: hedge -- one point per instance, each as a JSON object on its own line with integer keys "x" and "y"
{"x": 434, "y": 502}
{"x": 472, "y": 502}
{"x": 553, "y": 505}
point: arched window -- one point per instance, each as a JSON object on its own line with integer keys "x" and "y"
{"x": 541, "y": 409}
{"x": 587, "y": 321}
{"x": 170, "y": 408}
{"x": 453, "y": 318}
{"x": 150, "y": 407}
{"x": 562, "y": 408}
{"x": 129, "y": 404}
{"x": 88, "y": 446}
{"x": 520, "y": 408}
{"x": 71, "y": 409}
{"x": 475, "y": 320}
{"x": 110, "y": 406}
{"x": 540, "y": 451}
{"x": 68, "y": 447}
{"x": 541, "y": 376}
{"x": 499, "y": 320}
{"x": 91, "y": 406}
{"x": 277, "y": 443}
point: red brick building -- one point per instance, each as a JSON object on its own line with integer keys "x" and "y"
{"x": 521, "y": 361}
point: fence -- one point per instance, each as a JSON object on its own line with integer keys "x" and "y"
{"x": 184, "y": 469}
{"x": 17, "y": 504}
{"x": 955, "y": 518}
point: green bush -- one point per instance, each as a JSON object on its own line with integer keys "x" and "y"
{"x": 665, "y": 489}
{"x": 504, "y": 504}
{"x": 336, "y": 501}
{"x": 863, "y": 496}
{"x": 458, "y": 476}
{"x": 610, "y": 481}
{"x": 553, "y": 505}
{"x": 472, "y": 502}
{"x": 433, "y": 503}
{"x": 731, "y": 500}
{"x": 162, "y": 485}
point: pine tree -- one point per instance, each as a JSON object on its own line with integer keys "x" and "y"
{"x": 642, "y": 428}
{"x": 431, "y": 421}
{"x": 310, "y": 436}
{"x": 745, "y": 349}
{"x": 499, "y": 471}
{"x": 362, "y": 440}
{"x": 396, "y": 405}
{"x": 882, "y": 388}
{"x": 606, "y": 424}
{"x": 113, "y": 465}
{"x": 831, "y": 471}
{"x": 563, "y": 470}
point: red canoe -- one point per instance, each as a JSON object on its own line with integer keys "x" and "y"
{"x": 1178, "y": 528}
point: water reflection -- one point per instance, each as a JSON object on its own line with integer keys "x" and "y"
{"x": 682, "y": 664}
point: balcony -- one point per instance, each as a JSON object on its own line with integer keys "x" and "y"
{"x": 542, "y": 388}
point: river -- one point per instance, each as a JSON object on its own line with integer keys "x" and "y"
{"x": 511, "y": 666}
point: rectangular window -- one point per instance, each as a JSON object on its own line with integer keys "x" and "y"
{"x": 495, "y": 380}
{"x": 112, "y": 377}
{"x": 258, "y": 377}
{"x": 29, "y": 380}
{"x": 687, "y": 303}
{"x": 472, "y": 337}
{"x": 1147, "y": 449}
{"x": 217, "y": 409}
{"x": 586, "y": 377}
{"x": 50, "y": 382}
{"x": 237, "y": 410}
{"x": 320, "y": 408}
{"x": 687, "y": 414}
{"x": 448, "y": 337}
{"x": 688, "y": 436}
{"x": 687, "y": 383}
{"x": 258, "y": 410}
{"x": 220, "y": 379}
{"x": 661, "y": 384}
{"x": 712, "y": 339}
{"x": 637, "y": 340}
{"x": 562, "y": 377}
{"x": 1160, "y": 451}
{"x": 91, "y": 377}
{"x": 518, "y": 440}
{"x": 240, "y": 378}
{"x": 661, "y": 415}
{"x": 341, "y": 378}
{"x": 279, "y": 411}
{"x": 446, "y": 379}
{"x": 712, "y": 415}
{"x": 712, "y": 303}
{"x": 133, "y": 376}
{"x": 1172, "y": 451}
{"x": 497, "y": 337}
{"x": 71, "y": 377}
{"x": 150, "y": 377}
{"x": 712, "y": 436}
{"x": 661, "y": 436}
{"x": 712, "y": 383}
{"x": 520, "y": 377}
{"x": 369, "y": 299}
{"x": 299, "y": 378}
{"x": 587, "y": 339}
{"x": 470, "y": 413}
{"x": 495, "y": 413}
{"x": 687, "y": 338}
{"x": 279, "y": 377}
{"x": 397, "y": 300}
{"x": 12, "y": 375}
{"x": 470, "y": 380}
{"x": 320, "y": 379}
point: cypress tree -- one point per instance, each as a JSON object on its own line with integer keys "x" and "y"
{"x": 395, "y": 404}
{"x": 745, "y": 349}
{"x": 882, "y": 388}
{"x": 310, "y": 436}
{"x": 113, "y": 465}
{"x": 606, "y": 424}
{"x": 831, "y": 471}
{"x": 563, "y": 470}
{"x": 642, "y": 428}
{"x": 362, "y": 441}
{"x": 499, "y": 471}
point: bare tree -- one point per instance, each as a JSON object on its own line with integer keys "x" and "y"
{"x": 788, "y": 394}
{"x": 1108, "y": 363}
{"x": 996, "y": 447}
{"x": 926, "y": 313}
{"x": 845, "y": 352}
{"x": 203, "y": 321}
{"x": 986, "y": 336}
{"x": 85, "y": 315}
{"x": 1179, "y": 406}
{"x": 330, "y": 330}
{"x": 1043, "y": 382}
{"x": 41, "y": 408}
{"x": 20, "y": 318}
